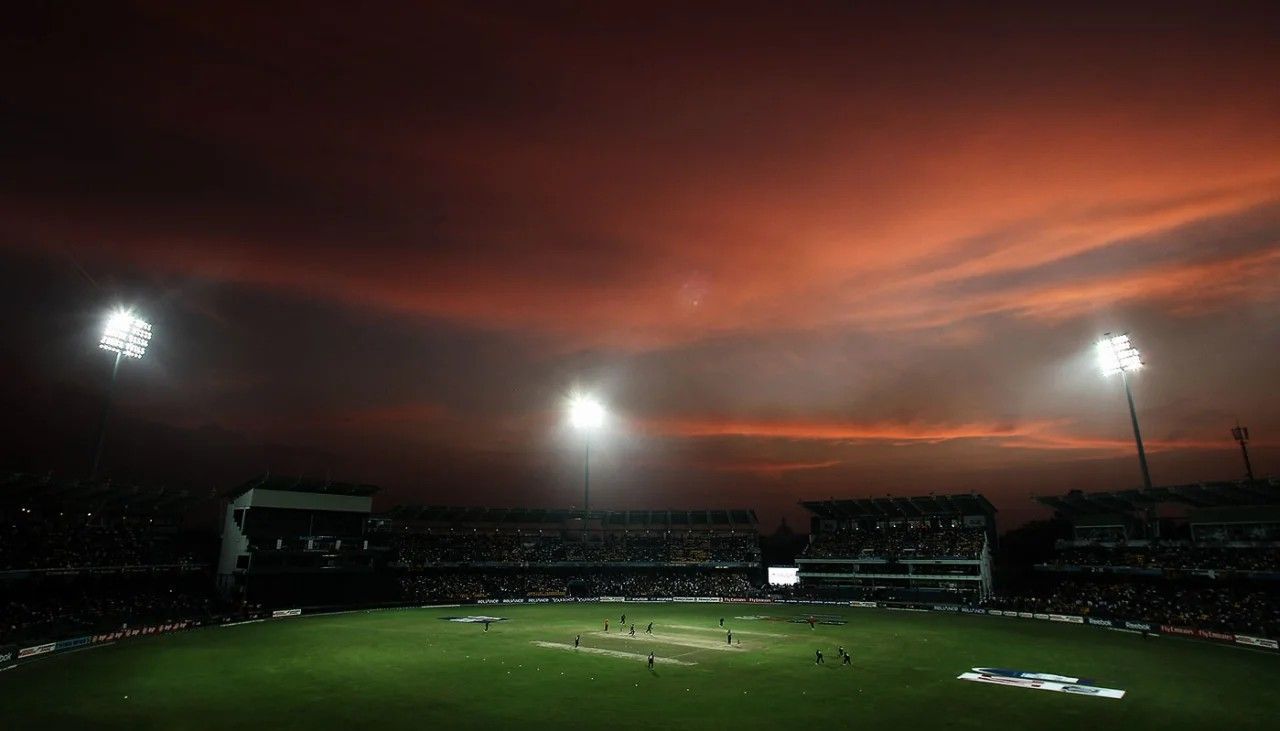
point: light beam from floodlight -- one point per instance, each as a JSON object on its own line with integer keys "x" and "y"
{"x": 586, "y": 414}
{"x": 1116, "y": 354}
{"x": 127, "y": 336}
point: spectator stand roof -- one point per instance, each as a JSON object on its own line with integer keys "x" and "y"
{"x": 901, "y": 508}
{"x": 300, "y": 484}
{"x": 727, "y": 519}
{"x": 46, "y": 492}
{"x": 1077, "y": 503}
{"x": 1251, "y": 514}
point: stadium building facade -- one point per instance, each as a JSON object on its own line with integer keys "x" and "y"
{"x": 305, "y": 539}
{"x": 929, "y": 548}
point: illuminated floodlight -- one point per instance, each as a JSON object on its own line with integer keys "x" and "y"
{"x": 1116, "y": 354}
{"x": 586, "y": 413}
{"x": 126, "y": 335}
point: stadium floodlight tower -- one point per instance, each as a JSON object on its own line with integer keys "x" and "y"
{"x": 586, "y": 414}
{"x": 1117, "y": 355}
{"x": 1241, "y": 435}
{"x": 126, "y": 335}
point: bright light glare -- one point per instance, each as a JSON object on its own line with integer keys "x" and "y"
{"x": 1116, "y": 354}
{"x": 126, "y": 335}
{"x": 585, "y": 413}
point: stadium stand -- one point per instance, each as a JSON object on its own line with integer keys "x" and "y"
{"x": 935, "y": 548}
{"x": 1201, "y": 557}
{"x": 96, "y": 559}
{"x": 79, "y": 556}
{"x": 488, "y": 553}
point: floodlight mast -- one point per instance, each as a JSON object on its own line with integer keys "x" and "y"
{"x": 1241, "y": 435}
{"x": 127, "y": 336}
{"x": 1117, "y": 355}
{"x": 586, "y": 415}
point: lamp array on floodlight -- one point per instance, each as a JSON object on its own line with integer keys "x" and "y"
{"x": 126, "y": 335}
{"x": 1116, "y": 354}
{"x": 586, "y": 413}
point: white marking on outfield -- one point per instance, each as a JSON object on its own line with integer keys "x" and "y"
{"x": 682, "y": 641}
{"x": 611, "y": 653}
{"x": 722, "y": 631}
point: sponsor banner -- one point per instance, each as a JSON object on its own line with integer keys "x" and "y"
{"x": 34, "y": 651}
{"x": 8, "y": 655}
{"x": 683, "y": 599}
{"x": 1257, "y": 642}
{"x": 1139, "y": 626}
{"x": 1211, "y": 635}
{"x": 1025, "y": 615}
{"x": 1171, "y": 630}
{"x": 733, "y": 600}
{"x": 488, "y": 601}
{"x": 286, "y": 613}
{"x": 1066, "y": 618}
{"x": 709, "y": 599}
{"x": 995, "y": 612}
{"x": 1099, "y": 622}
{"x": 1010, "y": 614}
{"x": 538, "y": 600}
{"x": 971, "y": 610}
{"x": 71, "y": 644}
{"x": 1038, "y": 615}
{"x": 511, "y": 601}
{"x": 864, "y": 605}
{"x": 946, "y": 608}
{"x": 611, "y": 599}
{"x": 1057, "y": 687}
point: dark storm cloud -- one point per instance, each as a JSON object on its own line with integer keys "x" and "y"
{"x": 805, "y": 250}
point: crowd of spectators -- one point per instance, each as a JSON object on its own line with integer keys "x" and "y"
{"x": 65, "y": 541}
{"x": 472, "y": 585}
{"x": 1172, "y": 555}
{"x": 418, "y": 550}
{"x": 38, "y": 613}
{"x": 1211, "y": 606}
{"x": 898, "y": 543}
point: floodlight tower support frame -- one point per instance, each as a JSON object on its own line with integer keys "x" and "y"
{"x": 586, "y": 474}
{"x": 1137, "y": 433}
{"x": 106, "y": 414}
{"x": 1241, "y": 434}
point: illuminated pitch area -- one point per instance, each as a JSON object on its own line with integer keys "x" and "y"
{"x": 411, "y": 669}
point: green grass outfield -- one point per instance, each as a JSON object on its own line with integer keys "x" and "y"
{"x": 408, "y": 669}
